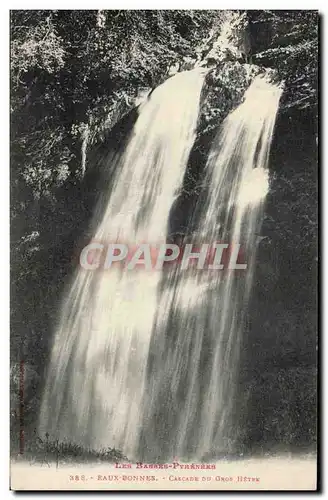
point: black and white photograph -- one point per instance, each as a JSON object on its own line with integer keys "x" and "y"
{"x": 164, "y": 255}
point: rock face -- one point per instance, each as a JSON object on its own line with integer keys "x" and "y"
{"x": 288, "y": 42}
{"x": 237, "y": 46}
{"x": 242, "y": 44}
{"x": 226, "y": 52}
{"x": 235, "y": 51}
{"x": 224, "y": 89}
{"x": 231, "y": 42}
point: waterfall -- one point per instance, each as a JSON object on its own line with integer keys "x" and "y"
{"x": 193, "y": 362}
{"x": 147, "y": 362}
{"x": 97, "y": 375}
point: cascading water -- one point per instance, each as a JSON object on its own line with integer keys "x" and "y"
{"x": 96, "y": 379}
{"x": 193, "y": 361}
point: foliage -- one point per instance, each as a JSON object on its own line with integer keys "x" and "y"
{"x": 297, "y": 209}
{"x": 75, "y": 72}
{"x": 293, "y": 51}
{"x": 285, "y": 402}
{"x": 225, "y": 87}
{"x": 46, "y": 451}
